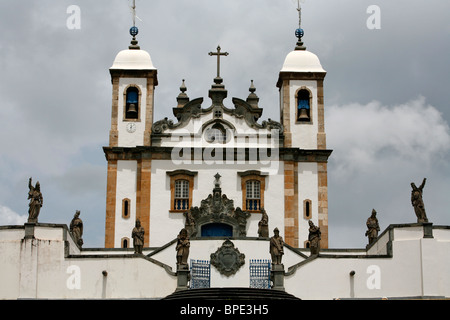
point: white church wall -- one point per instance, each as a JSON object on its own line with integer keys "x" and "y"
{"x": 126, "y": 189}
{"x": 173, "y": 222}
{"x": 308, "y": 185}
{"x": 10, "y": 247}
{"x": 127, "y": 139}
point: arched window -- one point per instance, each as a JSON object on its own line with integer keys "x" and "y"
{"x": 253, "y": 195}
{"x": 125, "y": 242}
{"x": 253, "y": 184}
{"x": 132, "y": 103}
{"x": 216, "y": 133}
{"x": 181, "y": 195}
{"x": 181, "y": 189}
{"x": 307, "y": 209}
{"x": 303, "y": 106}
{"x": 126, "y": 205}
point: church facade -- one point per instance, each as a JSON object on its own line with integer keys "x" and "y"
{"x": 158, "y": 171}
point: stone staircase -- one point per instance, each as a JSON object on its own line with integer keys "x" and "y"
{"x": 215, "y": 294}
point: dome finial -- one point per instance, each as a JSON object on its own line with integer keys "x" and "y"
{"x": 182, "y": 98}
{"x": 134, "y": 30}
{"x": 252, "y": 98}
{"x": 299, "y": 33}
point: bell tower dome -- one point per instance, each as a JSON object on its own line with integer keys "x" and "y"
{"x": 134, "y": 79}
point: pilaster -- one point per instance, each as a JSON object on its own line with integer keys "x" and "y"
{"x": 110, "y": 203}
{"x": 323, "y": 203}
{"x": 144, "y": 175}
{"x": 291, "y": 203}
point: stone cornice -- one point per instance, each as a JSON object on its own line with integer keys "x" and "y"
{"x": 121, "y": 73}
{"x": 165, "y": 153}
{"x": 299, "y": 76}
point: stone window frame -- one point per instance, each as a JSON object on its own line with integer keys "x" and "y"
{"x": 123, "y": 241}
{"x": 126, "y": 208}
{"x": 252, "y": 175}
{"x": 310, "y": 106}
{"x": 181, "y": 175}
{"x": 227, "y": 129}
{"x": 306, "y": 244}
{"x": 307, "y": 206}
{"x": 125, "y": 119}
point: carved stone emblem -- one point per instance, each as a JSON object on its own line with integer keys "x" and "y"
{"x": 227, "y": 259}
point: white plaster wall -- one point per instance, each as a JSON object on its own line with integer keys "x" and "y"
{"x": 416, "y": 269}
{"x": 127, "y": 278}
{"x": 38, "y": 268}
{"x": 127, "y": 139}
{"x": 126, "y": 188}
{"x": 10, "y": 248}
{"x": 304, "y": 136}
{"x": 307, "y": 189}
{"x": 203, "y": 186}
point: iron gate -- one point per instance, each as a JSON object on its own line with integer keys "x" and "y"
{"x": 200, "y": 274}
{"x": 260, "y": 273}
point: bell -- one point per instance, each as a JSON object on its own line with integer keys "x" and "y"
{"x": 303, "y": 115}
{"x": 132, "y": 110}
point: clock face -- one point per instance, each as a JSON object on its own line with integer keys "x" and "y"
{"x": 131, "y": 127}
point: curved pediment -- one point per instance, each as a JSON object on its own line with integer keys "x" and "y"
{"x": 193, "y": 110}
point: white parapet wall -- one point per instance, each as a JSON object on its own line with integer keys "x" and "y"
{"x": 42, "y": 262}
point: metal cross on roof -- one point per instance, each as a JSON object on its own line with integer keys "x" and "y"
{"x": 218, "y": 54}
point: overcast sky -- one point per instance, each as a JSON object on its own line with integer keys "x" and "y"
{"x": 386, "y": 96}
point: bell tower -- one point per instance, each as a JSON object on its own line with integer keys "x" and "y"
{"x": 301, "y": 97}
{"x": 300, "y": 84}
{"x": 134, "y": 79}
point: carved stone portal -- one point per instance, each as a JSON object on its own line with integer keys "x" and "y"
{"x": 217, "y": 208}
{"x": 227, "y": 259}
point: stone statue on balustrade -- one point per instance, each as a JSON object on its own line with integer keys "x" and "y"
{"x": 263, "y": 225}
{"x": 276, "y": 247}
{"x": 76, "y": 228}
{"x": 417, "y": 202}
{"x": 182, "y": 248}
{"x": 36, "y": 201}
{"x": 314, "y": 238}
{"x": 138, "y": 237}
{"x": 372, "y": 227}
